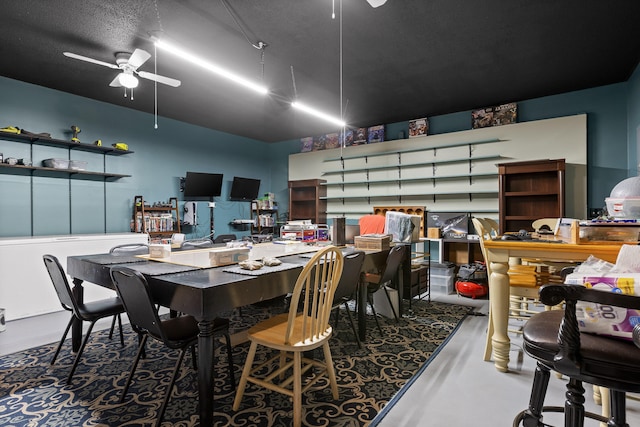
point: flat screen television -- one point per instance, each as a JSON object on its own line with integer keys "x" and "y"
{"x": 199, "y": 184}
{"x": 244, "y": 189}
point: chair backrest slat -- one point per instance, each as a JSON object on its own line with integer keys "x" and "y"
{"x": 316, "y": 285}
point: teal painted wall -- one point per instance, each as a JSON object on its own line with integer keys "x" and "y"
{"x": 163, "y": 155}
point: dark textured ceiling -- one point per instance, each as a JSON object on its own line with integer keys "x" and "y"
{"x": 406, "y": 59}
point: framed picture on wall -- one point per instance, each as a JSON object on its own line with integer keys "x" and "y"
{"x": 332, "y": 141}
{"x": 418, "y": 127}
{"x": 306, "y": 144}
{"x": 482, "y": 118}
{"x": 360, "y": 136}
{"x": 348, "y": 138}
{"x": 505, "y": 114}
{"x": 376, "y": 134}
{"x": 319, "y": 142}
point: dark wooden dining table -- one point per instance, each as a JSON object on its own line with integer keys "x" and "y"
{"x": 203, "y": 293}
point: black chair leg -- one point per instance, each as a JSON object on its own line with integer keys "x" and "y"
{"x": 533, "y": 415}
{"x": 143, "y": 339}
{"x": 174, "y": 375}
{"x": 373, "y": 309}
{"x": 64, "y": 335}
{"x": 574, "y": 405}
{"x": 618, "y": 409}
{"x": 121, "y": 333}
{"x": 353, "y": 325}
{"x": 232, "y": 376}
{"x": 393, "y": 310}
{"x": 82, "y": 346}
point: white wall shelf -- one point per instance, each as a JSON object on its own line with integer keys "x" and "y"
{"x": 400, "y": 165}
{"x": 416, "y": 150}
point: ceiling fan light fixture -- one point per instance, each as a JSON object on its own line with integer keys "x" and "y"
{"x": 317, "y": 113}
{"x": 376, "y": 3}
{"x": 168, "y": 47}
{"x": 128, "y": 80}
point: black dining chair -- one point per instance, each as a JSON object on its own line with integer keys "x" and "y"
{"x": 553, "y": 338}
{"x": 178, "y": 333}
{"x": 84, "y": 311}
{"x": 377, "y": 281}
{"x": 348, "y": 287}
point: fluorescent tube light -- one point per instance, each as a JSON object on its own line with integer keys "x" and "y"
{"x": 318, "y": 113}
{"x": 211, "y": 67}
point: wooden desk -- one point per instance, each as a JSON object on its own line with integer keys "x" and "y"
{"x": 498, "y": 253}
{"x": 203, "y": 293}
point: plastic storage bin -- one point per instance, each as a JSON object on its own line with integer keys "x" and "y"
{"x": 442, "y": 277}
{"x": 78, "y": 165}
{"x": 56, "y": 163}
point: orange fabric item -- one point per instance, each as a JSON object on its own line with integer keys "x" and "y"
{"x": 372, "y": 224}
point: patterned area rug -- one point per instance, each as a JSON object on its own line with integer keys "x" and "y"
{"x": 33, "y": 393}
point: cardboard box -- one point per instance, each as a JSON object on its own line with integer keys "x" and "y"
{"x": 159, "y": 250}
{"x": 227, "y": 256}
{"x": 433, "y": 232}
{"x": 372, "y": 243}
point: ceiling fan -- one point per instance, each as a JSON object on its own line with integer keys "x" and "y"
{"x": 128, "y": 63}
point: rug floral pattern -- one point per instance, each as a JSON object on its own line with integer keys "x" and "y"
{"x": 34, "y": 393}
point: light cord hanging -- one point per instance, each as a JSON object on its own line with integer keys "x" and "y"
{"x": 341, "y": 93}
{"x": 155, "y": 87}
{"x": 155, "y": 69}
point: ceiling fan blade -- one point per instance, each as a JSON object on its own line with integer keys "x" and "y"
{"x": 87, "y": 59}
{"x": 116, "y": 81}
{"x": 160, "y": 79}
{"x": 138, "y": 57}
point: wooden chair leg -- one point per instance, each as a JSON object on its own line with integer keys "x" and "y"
{"x": 245, "y": 374}
{"x": 488, "y": 346}
{"x": 328, "y": 360}
{"x": 297, "y": 389}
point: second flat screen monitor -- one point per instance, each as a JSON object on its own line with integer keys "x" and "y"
{"x": 244, "y": 189}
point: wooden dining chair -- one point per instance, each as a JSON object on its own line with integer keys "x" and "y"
{"x": 524, "y": 283}
{"x": 304, "y": 328}
{"x": 179, "y": 332}
{"x": 83, "y": 311}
